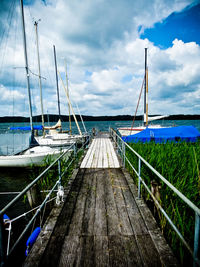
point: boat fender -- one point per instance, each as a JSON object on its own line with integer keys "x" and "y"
{"x": 6, "y": 222}
{"x": 31, "y": 240}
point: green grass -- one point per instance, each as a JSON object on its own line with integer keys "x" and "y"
{"x": 179, "y": 163}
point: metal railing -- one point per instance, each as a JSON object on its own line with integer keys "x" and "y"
{"x": 71, "y": 150}
{"x": 121, "y": 146}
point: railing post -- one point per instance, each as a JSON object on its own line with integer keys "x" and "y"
{"x": 59, "y": 171}
{"x": 2, "y": 250}
{"x": 139, "y": 177}
{"x": 124, "y": 154}
{"x": 74, "y": 149}
{"x": 196, "y": 239}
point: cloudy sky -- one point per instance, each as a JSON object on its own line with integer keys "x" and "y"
{"x": 102, "y": 44}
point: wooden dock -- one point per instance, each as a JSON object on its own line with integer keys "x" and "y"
{"x": 101, "y": 154}
{"x": 101, "y": 222}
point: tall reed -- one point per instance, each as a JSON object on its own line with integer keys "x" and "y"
{"x": 179, "y": 164}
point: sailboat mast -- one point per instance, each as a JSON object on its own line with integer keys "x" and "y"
{"x": 40, "y": 82}
{"x": 54, "y": 50}
{"x": 26, "y": 65}
{"x": 70, "y": 124}
{"x": 146, "y": 91}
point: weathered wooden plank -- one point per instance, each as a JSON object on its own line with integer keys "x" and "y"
{"x": 101, "y": 251}
{"x": 96, "y": 153}
{"x": 114, "y": 156}
{"x": 109, "y": 154}
{"x": 124, "y": 222}
{"x": 77, "y": 219}
{"x": 89, "y": 163}
{"x": 88, "y": 251}
{"x": 148, "y": 252}
{"x": 90, "y": 203}
{"x": 73, "y": 250}
{"x": 123, "y": 251}
{"x": 105, "y": 156}
{"x": 88, "y": 154}
{"x": 100, "y": 159}
{"x": 113, "y": 224}
{"x": 135, "y": 217}
{"x": 166, "y": 256}
{"x": 100, "y": 223}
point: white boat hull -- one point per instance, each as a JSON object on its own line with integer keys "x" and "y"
{"x": 134, "y": 130}
{"x": 60, "y": 140}
{"x": 32, "y": 157}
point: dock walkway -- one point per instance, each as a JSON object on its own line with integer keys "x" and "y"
{"x": 101, "y": 223}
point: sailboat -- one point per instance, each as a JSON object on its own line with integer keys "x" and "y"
{"x": 124, "y": 131}
{"x": 55, "y": 136}
{"x": 157, "y": 133}
{"x": 34, "y": 154}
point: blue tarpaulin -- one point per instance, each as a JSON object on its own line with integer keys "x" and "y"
{"x": 27, "y": 128}
{"x": 163, "y": 135}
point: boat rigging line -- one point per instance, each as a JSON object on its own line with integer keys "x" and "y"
{"x": 137, "y": 104}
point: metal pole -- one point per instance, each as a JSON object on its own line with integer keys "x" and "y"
{"x": 124, "y": 154}
{"x": 70, "y": 123}
{"x": 75, "y": 150}
{"x": 139, "y": 178}
{"x": 196, "y": 239}
{"x": 145, "y": 89}
{"x": 26, "y": 65}
{"x": 54, "y": 50}
{"x": 59, "y": 171}
{"x": 40, "y": 82}
{"x": 2, "y": 251}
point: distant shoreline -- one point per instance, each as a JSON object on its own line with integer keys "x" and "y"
{"x": 54, "y": 118}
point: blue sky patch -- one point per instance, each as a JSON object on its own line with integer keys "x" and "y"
{"x": 127, "y": 78}
{"x": 183, "y": 25}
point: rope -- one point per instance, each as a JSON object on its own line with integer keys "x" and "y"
{"x": 137, "y": 104}
{"x": 81, "y": 117}
{"x": 42, "y": 217}
{"x": 24, "y": 214}
{"x": 9, "y": 193}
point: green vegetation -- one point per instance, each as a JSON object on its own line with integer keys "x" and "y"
{"x": 179, "y": 163}
{"x": 50, "y": 178}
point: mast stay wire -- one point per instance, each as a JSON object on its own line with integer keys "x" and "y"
{"x": 4, "y": 46}
{"x": 137, "y": 104}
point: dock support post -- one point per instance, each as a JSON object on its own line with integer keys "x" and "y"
{"x": 196, "y": 239}
{"x": 139, "y": 178}
{"x": 2, "y": 251}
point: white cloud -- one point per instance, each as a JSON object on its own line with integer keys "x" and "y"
{"x": 94, "y": 37}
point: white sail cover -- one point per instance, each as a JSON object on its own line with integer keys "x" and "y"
{"x": 56, "y": 126}
{"x": 157, "y": 117}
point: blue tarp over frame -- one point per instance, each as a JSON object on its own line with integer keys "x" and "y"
{"x": 163, "y": 135}
{"x": 27, "y": 128}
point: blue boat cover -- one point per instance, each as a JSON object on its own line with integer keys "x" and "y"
{"x": 27, "y": 128}
{"x": 163, "y": 135}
